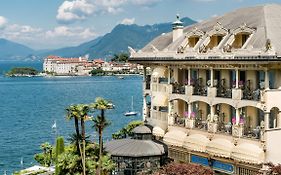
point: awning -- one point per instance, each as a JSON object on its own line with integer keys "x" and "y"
{"x": 196, "y": 142}
{"x": 248, "y": 153}
{"x": 160, "y": 72}
{"x": 174, "y": 138}
{"x": 220, "y": 147}
{"x": 157, "y": 131}
{"x": 160, "y": 99}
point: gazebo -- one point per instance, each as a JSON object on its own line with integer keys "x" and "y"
{"x": 137, "y": 154}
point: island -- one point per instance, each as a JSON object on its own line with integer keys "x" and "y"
{"x": 22, "y": 72}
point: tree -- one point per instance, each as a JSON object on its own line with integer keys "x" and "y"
{"x": 127, "y": 130}
{"x": 46, "y": 157}
{"x": 80, "y": 112}
{"x": 184, "y": 169}
{"x": 59, "y": 151}
{"x": 121, "y": 57}
{"x": 100, "y": 122}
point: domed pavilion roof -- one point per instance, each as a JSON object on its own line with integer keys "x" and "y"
{"x": 134, "y": 148}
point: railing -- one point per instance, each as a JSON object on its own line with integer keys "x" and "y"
{"x": 200, "y": 90}
{"x": 249, "y": 94}
{"x": 178, "y": 89}
{"x": 224, "y": 92}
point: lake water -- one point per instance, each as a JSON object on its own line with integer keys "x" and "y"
{"x": 29, "y": 107}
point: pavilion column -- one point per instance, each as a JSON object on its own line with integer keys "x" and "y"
{"x": 212, "y": 77}
{"x": 236, "y": 78}
{"x": 279, "y": 120}
{"x": 237, "y": 116}
{"x": 266, "y": 81}
{"x": 189, "y": 76}
{"x": 266, "y": 120}
{"x": 144, "y": 108}
{"x": 171, "y": 120}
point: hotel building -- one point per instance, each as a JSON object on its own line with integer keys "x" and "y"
{"x": 214, "y": 94}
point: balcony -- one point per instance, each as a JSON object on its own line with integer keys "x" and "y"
{"x": 178, "y": 89}
{"x": 218, "y": 126}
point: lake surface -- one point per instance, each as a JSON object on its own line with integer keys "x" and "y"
{"x": 29, "y": 107}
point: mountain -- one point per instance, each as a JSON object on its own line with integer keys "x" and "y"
{"x": 12, "y": 51}
{"x": 118, "y": 40}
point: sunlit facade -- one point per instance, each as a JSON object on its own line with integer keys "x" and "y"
{"x": 214, "y": 92}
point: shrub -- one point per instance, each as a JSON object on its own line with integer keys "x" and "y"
{"x": 184, "y": 169}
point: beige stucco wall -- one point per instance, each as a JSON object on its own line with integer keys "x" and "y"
{"x": 252, "y": 116}
{"x": 225, "y": 75}
{"x": 252, "y": 76}
{"x": 226, "y": 110}
{"x": 202, "y": 74}
{"x": 273, "y": 151}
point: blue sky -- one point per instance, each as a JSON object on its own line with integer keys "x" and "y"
{"x": 49, "y": 24}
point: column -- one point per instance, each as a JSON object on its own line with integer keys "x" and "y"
{"x": 266, "y": 120}
{"x": 176, "y": 74}
{"x": 171, "y": 120}
{"x": 236, "y": 78}
{"x": 212, "y": 77}
{"x": 279, "y": 120}
{"x": 144, "y": 109}
{"x": 169, "y": 75}
{"x": 189, "y": 110}
{"x": 212, "y": 107}
{"x": 266, "y": 79}
{"x": 237, "y": 115}
{"x": 189, "y": 76}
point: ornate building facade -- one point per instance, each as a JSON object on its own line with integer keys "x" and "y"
{"x": 214, "y": 92}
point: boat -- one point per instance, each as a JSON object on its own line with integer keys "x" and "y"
{"x": 120, "y": 77}
{"x": 132, "y": 112}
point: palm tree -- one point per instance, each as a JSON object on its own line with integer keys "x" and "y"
{"x": 80, "y": 112}
{"x": 83, "y": 111}
{"x": 73, "y": 114}
{"x": 100, "y": 123}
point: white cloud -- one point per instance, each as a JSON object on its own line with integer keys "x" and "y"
{"x": 74, "y": 32}
{"x": 77, "y": 10}
{"x": 145, "y": 2}
{"x": 70, "y": 11}
{"x": 128, "y": 21}
{"x": 3, "y": 21}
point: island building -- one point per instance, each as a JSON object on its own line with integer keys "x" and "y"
{"x": 82, "y": 66}
{"x": 214, "y": 94}
{"x": 67, "y": 66}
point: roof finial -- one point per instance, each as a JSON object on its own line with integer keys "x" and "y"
{"x": 178, "y": 16}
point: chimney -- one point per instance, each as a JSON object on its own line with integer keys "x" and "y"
{"x": 177, "y": 28}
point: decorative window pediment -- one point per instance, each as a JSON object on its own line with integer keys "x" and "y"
{"x": 218, "y": 30}
{"x": 243, "y": 29}
{"x": 195, "y": 32}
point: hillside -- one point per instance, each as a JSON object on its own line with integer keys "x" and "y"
{"x": 118, "y": 40}
{"x": 13, "y": 51}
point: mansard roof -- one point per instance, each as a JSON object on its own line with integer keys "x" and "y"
{"x": 263, "y": 21}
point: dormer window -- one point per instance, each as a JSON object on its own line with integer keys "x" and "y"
{"x": 240, "y": 40}
{"x": 214, "y": 41}
{"x": 192, "y": 41}
{"x": 214, "y": 38}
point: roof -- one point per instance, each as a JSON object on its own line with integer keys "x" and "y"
{"x": 142, "y": 129}
{"x": 134, "y": 148}
{"x": 264, "y": 20}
